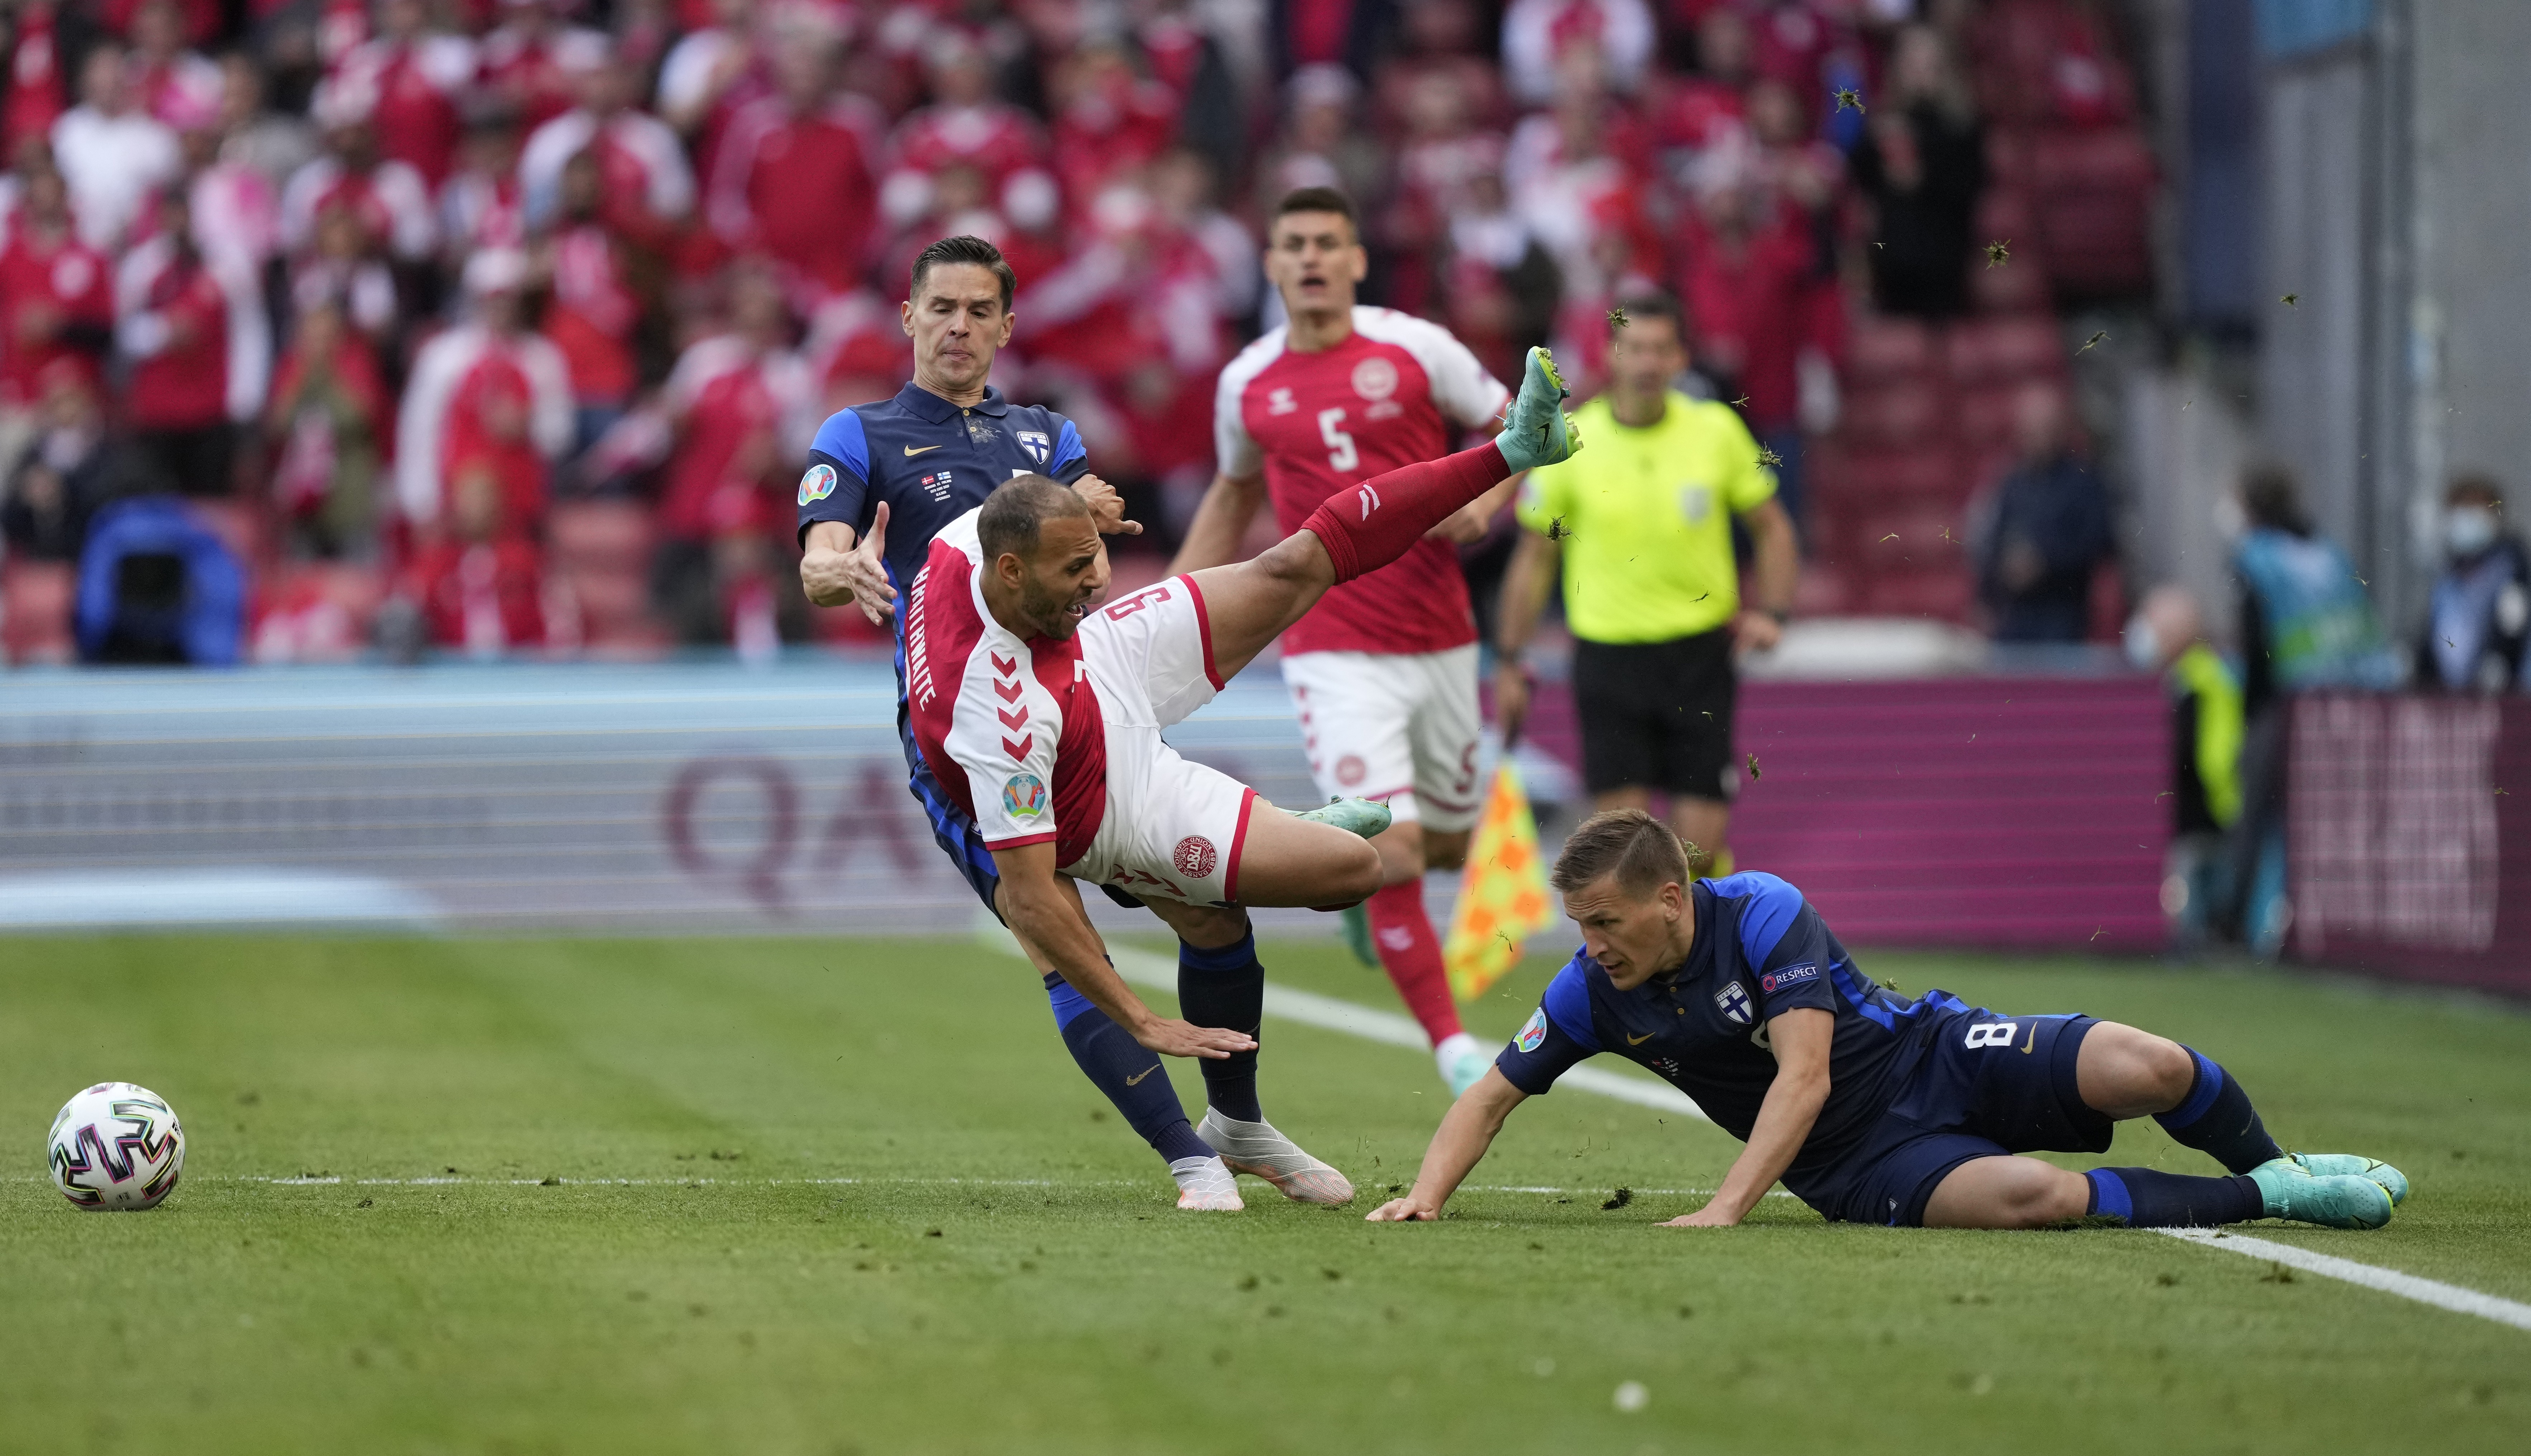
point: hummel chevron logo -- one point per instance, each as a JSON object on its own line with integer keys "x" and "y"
{"x": 1009, "y": 692}
{"x": 1018, "y": 749}
{"x": 1012, "y": 719}
{"x": 1005, "y": 667}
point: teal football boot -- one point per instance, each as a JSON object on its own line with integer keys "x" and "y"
{"x": 1357, "y": 934}
{"x": 2331, "y": 1164}
{"x": 1361, "y": 816}
{"x": 1535, "y": 429}
{"x": 2339, "y": 1200}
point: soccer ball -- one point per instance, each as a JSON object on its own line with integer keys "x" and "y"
{"x": 117, "y": 1146}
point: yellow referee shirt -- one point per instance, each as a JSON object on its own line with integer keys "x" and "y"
{"x": 1647, "y": 520}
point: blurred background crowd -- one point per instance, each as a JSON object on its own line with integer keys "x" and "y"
{"x": 501, "y": 326}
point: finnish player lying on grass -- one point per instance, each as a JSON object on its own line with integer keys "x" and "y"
{"x": 1870, "y": 1108}
{"x": 1040, "y": 712}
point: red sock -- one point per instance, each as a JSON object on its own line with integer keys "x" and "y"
{"x": 1374, "y": 523}
{"x": 1411, "y": 955}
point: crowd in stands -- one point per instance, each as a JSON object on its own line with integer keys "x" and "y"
{"x": 501, "y": 326}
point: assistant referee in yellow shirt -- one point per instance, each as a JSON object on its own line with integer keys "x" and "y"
{"x": 1642, "y": 521}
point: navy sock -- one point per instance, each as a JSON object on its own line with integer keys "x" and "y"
{"x": 1226, "y": 987}
{"x": 2147, "y": 1199}
{"x": 2216, "y": 1118}
{"x": 1129, "y": 1073}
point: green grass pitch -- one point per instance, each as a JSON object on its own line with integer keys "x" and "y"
{"x": 1005, "y": 1272}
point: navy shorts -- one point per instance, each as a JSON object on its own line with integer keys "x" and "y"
{"x": 1986, "y": 1085}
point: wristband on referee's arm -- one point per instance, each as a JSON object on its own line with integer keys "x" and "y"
{"x": 1783, "y": 615}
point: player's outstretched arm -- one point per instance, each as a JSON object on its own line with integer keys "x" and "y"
{"x": 1220, "y": 523}
{"x": 1800, "y": 1039}
{"x": 1467, "y": 1130}
{"x": 834, "y": 569}
{"x": 1044, "y": 912}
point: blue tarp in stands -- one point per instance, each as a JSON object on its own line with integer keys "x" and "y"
{"x": 205, "y": 630}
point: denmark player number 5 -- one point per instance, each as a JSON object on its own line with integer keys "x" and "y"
{"x": 1341, "y": 454}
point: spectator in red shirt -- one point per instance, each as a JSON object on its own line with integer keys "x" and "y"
{"x": 417, "y": 77}
{"x": 646, "y": 188}
{"x": 741, "y": 408}
{"x": 328, "y": 428}
{"x": 389, "y": 198}
{"x": 523, "y": 61}
{"x": 489, "y": 394}
{"x": 1746, "y": 287}
{"x": 56, "y": 302}
{"x": 35, "y": 95}
{"x": 481, "y": 583}
{"x": 480, "y": 206}
{"x": 195, "y": 329}
{"x": 797, "y": 175}
{"x": 177, "y": 86}
{"x": 711, "y": 72}
{"x": 599, "y": 300}
{"x": 1108, "y": 122}
{"x": 963, "y": 123}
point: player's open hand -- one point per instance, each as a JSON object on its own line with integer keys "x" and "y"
{"x": 1171, "y": 1038}
{"x": 1401, "y": 1211}
{"x": 1710, "y": 1216}
{"x": 1511, "y": 700}
{"x": 866, "y": 571}
{"x": 1464, "y": 527}
{"x": 1756, "y": 631}
{"x": 1107, "y": 505}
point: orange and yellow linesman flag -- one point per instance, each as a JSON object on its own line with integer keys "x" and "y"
{"x": 1502, "y": 895}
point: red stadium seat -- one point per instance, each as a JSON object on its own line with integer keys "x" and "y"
{"x": 35, "y": 599}
{"x": 1901, "y": 412}
{"x": 1945, "y": 595}
{"x": 1879, "y": 348}
{"x": 2010, "y": 348}
{"x": 1863, "y": 480}
{"x": 1911, "y": 536}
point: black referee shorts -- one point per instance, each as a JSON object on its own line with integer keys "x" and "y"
{"x": 1657, "y": 715}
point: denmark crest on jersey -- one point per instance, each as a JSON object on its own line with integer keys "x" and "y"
{"x": 817, "y": 484}
{"x": 1034, "y": 442}
{"x": 1375, "y": 378}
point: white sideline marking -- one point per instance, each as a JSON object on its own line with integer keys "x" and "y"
{"x": 1327, "y": 1013}
{"x": 2433, "y": 1292}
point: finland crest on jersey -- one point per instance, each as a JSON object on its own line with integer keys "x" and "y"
{"x": 1036, "y": 443}
{"x": 1735, "y": 1003}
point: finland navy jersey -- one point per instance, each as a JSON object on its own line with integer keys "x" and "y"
{"x": 932, "y": 461}
{"x": 1760, "y": 952}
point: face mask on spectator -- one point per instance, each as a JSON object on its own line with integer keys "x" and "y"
{"x": 2469, "y": 529}
{"x": 2143, "y": 645}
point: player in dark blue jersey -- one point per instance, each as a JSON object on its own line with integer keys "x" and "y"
{"x": 882, "y": 480}
{"x": 1870, "y": 1107}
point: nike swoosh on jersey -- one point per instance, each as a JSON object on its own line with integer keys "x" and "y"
{"x": 1137, "y": 1077}
{"x": 1633, "y": 1040}
{"x": 911, "y": 451}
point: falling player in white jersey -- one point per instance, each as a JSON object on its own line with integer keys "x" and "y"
{"x": 1040, "y": 712}
{"x": 1384, "y": 671}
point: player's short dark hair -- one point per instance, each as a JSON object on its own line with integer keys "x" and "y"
{"x": 2477, "y": 483}
{"x": 1015, "y": 510}
{"x": 2271, "y": 496}
{"x": 1654, "y": 305}
{"x": 964, "y": 248}
{"x": 1319, "y": 200}
{"x": 1627, "y": 843}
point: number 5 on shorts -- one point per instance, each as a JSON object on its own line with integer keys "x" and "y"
{"x": 1992, "y": 1034}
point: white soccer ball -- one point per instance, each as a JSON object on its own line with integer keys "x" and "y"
{"x": 117, "y": 1146}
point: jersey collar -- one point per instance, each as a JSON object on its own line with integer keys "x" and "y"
{"x": 913, "y": 399}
